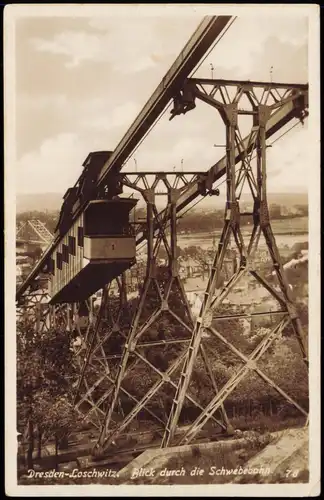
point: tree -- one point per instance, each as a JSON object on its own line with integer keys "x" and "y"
{"x": 302, "y": 209}
{"x": 275, "y": 211}
{"x": 56, "y": 417}
{"x": 45, "y": 373}
{"x": 198, "y": 221}
{"x": 162, "y": 253}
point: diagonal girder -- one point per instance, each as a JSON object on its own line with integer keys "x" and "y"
{"x": 232, "y": 383}
{"x": 281, "y": 116}
{"x": 132, "y": 346}
{"x": 208, "y": 31}
{"x": 229, "y": 112}
{"x": 238, "y": 150}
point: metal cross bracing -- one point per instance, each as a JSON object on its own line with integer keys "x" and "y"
{"x": 104, "y": 393}
{"x": 94, "y": 384}
{"x": 82, "y": 321}
{"x": 257, "y": 101}
{"x": 123, "y": 334}
{"x": 102, "y": 338}
{"x": 154, "y": 340}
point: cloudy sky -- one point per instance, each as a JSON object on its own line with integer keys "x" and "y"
{"x": 81, "y": 81}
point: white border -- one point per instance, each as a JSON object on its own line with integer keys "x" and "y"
{"x": 11, "y": 13}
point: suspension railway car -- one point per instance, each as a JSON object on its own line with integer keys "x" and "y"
{"x": 99, "y": 244}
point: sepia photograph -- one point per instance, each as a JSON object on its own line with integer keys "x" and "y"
{"x": 162, "y": 219}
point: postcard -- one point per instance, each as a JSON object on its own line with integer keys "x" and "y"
{"x": 162, "y": 221}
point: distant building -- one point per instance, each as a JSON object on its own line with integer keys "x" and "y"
{"x": 189, "y": 266}
{"x": 291, "y": 211}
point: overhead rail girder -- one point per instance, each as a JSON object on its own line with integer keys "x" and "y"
{"x": 277, "y": 121}
{"x": 205, "y": 35}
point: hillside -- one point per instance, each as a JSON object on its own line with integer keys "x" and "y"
{"x": 283, "y": 199}
{"x": 53, "y": 201}
{"x": 39, "y": 202}
{"x": 288, "y": 199}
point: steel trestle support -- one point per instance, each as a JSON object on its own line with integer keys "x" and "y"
{"x": 165, "y": 284}
{"x": 262, "y": 99}
{"x": 118, "y": 337}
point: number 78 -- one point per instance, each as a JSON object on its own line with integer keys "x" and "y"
{"x": 292, "y": 473}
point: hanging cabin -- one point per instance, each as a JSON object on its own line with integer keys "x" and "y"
{"x": 99, "y": 246}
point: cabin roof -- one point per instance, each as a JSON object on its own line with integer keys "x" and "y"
{"x": 104, "y": 154}
{"x": 69, "y": 191}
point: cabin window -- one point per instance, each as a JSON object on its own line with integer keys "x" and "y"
{"x": 51, "y": 267}
{"x": 65, "y": 253}
{"x": 101, "y": 219}
{"x": 72, "y": 246}
{"x": 59, "y": 260}
{"x": 80, "y": 236}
